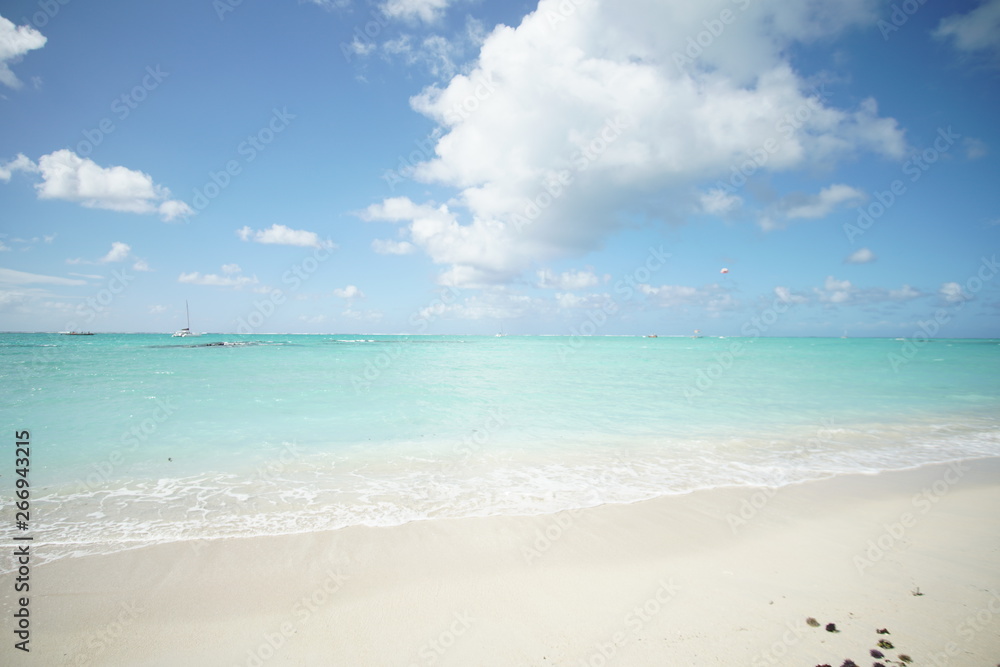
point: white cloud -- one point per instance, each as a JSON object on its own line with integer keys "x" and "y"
{"x": 905, "y": 293}
{"x": 595, "y": 96}
{"x": 835, "y": 291}
{"x": 975, "y": 32}
{"x": 349, "y": 292}
{"x": 788, "y": 296}
{"x": 230, "y": 279}
{"x": 119, "y": 253}
{"x": 157, "y": 309}
{"x": 974, "y": 148}
{"x": 568, "y": 280}
{"x": 141, "y": 265}
{"x": 173, "y": 209}
{"x": 19, "y": 163}
{"x": 952, "y": 293}
{"x": 860, "y": 256}
{"x": 13, "y": 277}
{"x": 67, "y": 176}
{"x": 714, "y": 298}
{"x": 390, "y": 247}
{"x": 427, "y": 11}
{"x": 282, "y": 235}
{"x": 810, "y": 206}
{"x": 717, "y": 201}
{"x": 15, "y": 41}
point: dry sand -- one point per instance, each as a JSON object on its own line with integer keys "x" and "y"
{"x": 717, "y": 577}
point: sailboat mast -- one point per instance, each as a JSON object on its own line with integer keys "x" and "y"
{"x": 188, "y": 313}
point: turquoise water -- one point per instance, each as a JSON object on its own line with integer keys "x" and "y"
{"x": 141, "y": 438}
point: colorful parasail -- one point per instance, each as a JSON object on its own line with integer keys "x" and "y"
{"x": 724, "y": 271}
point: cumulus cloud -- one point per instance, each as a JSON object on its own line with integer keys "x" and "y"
{"x": 809, "y": 206}
{"x": 349, "y": 292}
{"x": 14, "y": 277}
{"x": 119, "y": 253}
{"x": 19, "y": 163}
{"x": 952, "y": 293}
{"x": 15, "y": 41}
{"x": 568, "y": 280}
{"x": 282, "y": 235}
{"x": 577, "y": 116}
{"x": 835, "y": 291}
{"x": 860, "y": 256}
{"x": 977, "y": 32}
{"x": 905, "y": 293}
{"x": 232, "y": 278}
{"x": 788, "y": 296}
{"x": 713, "y": 297}
{"x": 67, "y": 176}
{"x": 717, "y": 201}
{"x": 427, "y": 11}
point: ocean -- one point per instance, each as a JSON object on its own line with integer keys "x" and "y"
{"x": 138, "y": 439}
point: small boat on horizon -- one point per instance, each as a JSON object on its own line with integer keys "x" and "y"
{"x": 186, "y": 331}
{"x": 76, "y": 333}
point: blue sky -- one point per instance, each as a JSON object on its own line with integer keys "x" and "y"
{"x": 454, "y": 166}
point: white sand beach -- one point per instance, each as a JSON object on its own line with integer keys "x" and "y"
{"x": 715, "y": 577}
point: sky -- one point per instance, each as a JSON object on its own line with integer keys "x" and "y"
{"x": 740, "y": 167}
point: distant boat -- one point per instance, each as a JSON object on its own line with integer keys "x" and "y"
{"x": 76, "y": 333}
{"x": 651, "y": 336}
{"x": 697, "y": 333}
{"x": 186, "y": 331}
{"x": 501, "y": 334}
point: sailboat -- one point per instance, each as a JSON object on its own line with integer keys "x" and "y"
{"x": 186, "y": 331}
{"x": 501, "y": 334}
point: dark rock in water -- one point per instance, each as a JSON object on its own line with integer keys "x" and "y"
{"x": 832, "y": 627}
